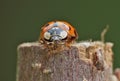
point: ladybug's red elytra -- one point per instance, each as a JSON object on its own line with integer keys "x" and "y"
{"x": 58, "y": 33}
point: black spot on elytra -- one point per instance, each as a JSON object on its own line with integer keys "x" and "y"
{"x": 69, "y": 28}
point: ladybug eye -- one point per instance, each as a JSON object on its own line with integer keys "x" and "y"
{"x": 47, "y": 35}
{"x": 63, "y": 34}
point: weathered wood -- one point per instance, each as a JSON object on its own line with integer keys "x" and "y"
{"x": 117, "y": 73}
{"x": 85, "y": 61}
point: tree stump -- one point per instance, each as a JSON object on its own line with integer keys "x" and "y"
{"x": 84, "y": 61}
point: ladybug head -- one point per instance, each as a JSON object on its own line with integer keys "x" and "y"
{"x": 55, "y": 34}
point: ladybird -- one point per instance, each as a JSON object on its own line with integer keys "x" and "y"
{"x": 55, "y": 34}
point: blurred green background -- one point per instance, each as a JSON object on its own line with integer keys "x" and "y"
{"x": 21, "y": 20}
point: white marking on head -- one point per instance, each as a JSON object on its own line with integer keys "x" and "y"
{"x": 47, "y": 35}
{"x": 63, "y": 34}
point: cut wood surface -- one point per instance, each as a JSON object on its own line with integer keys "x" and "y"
{"x": 84, "y": 61}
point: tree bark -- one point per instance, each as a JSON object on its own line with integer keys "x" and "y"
{"x": 85, "y": 61}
